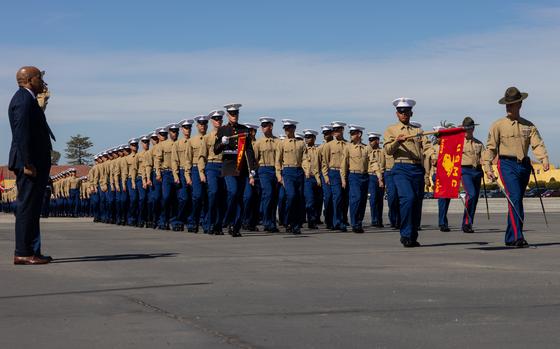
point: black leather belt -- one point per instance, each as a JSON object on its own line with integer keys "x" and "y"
{"x": 472, "y": 167}
{"x": 514, "y": 158}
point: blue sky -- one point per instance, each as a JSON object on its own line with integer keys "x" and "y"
{"x": 119, "y": 69}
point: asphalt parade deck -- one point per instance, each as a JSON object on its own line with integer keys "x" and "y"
{"x": 121, "y": 287}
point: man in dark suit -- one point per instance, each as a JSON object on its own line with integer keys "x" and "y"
{"x": 238, "y": 164}
{"x": 30, "y": 160}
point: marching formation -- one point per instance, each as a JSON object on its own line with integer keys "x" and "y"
{"x": 227, "y": 177}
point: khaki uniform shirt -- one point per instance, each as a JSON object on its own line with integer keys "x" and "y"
{"x": 265, "y": 151}
{"x": 104, "y": 179}
{"x": 141, "y": 161}
{"x": 207, "y": 150}
{"x": 472, "y": 152}
{"x": 291, "y": 152}
{"x": 162, "y": 157}
{"x": 512, "y": 138}
{"x": 131, "y": 161}
{"x": 374, "y": 166}
{"x": 321, "y": 149}
{"x": 178, "y": 157}
{"x": 386, "y": 161}
{"x": 413, "y": 150}
{"x": 192, "y": 155}
{"x": 73, "y": 183}
{"x": 332, "y": 156}
{"x": 93, "y": 177}
{"x": 311, "y": 165}
{"x": 355, "y": 159}
{"x": 149, "y": 161}
{"x": 115, "y": 173}
{"x": 56, "y": 189}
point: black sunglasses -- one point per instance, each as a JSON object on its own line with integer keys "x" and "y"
{"x": 217, "y": 118}
{"x": 404, "y": 110}
{"x": 203, "y": 122}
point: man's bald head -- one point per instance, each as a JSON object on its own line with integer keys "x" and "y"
{"x": 30, "y": 77}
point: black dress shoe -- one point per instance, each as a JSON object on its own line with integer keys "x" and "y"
{"x": 49, "y": 258}
{"x": 236, "y": 233}
{"x": 296, "y": 231}
{"x": 231, "y": 231}
{"x": 251, "y": 228}
{"x": 289, "y": 229}
{"x": 312, "y": 226}
{"x": 218, "y": 232}
{"x": 519, "y": 243}
{"x": 273, "y": 230}
{"x": 343, "y": 229}
{"x": 468, "y": 229}
{"x": 444, "y": 228}
{"x": 358, "y": 230}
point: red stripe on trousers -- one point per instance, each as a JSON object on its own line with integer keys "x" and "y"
{"x": 510, "y": 208}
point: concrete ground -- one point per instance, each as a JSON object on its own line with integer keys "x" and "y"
{"x": 120, "y": 287}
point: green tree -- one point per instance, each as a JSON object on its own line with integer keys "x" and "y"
{"x": 55, "y": 157}
{"x": 77, "y": 150}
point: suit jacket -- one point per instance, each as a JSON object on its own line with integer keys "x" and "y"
{"x": 31, "y": 143}
{"x": 230, "y": 150}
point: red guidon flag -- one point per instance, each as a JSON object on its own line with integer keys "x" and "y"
{"x": 448, "y": 171}
{"x": 240, "y": 149}
{"x": 2, "y": 181}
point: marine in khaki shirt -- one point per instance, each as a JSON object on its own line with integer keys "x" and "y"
{"x": 162, "y": 157}
{"x": 509, "y": 138}
{"x": 291, "y": 152}
{"x": 114, "y": 172}
{"x": 149, "y": 158}
{"x": 192, "y": 155}
{"x": 512, "y": 138}
{"x": 375, "y": 158}
{"x": 73, "y": 181}
{"x": 311, "y": 165}
{"x": 93, "y": 175}
{"x": 178, "y": 153}
{"x": 355, "y": 159}
{"x": 326, "y": 130}
{"x": 332, "y": 156}
{"x": 157, "y": 154}
{"x": 131, "y": 161}
{"x": 265, "y": 150}
{"x": 472, "y": 152}
{"x": 141, "y": 158}
{"x": 207, "y": 150}
{"x": 122, "y": 168}
{"x": 406, "y": 144}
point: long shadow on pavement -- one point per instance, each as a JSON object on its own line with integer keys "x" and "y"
{"x": 113, "y": 257}
{"x": 501, "y": 248}
{"x": 457, "y": 244}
